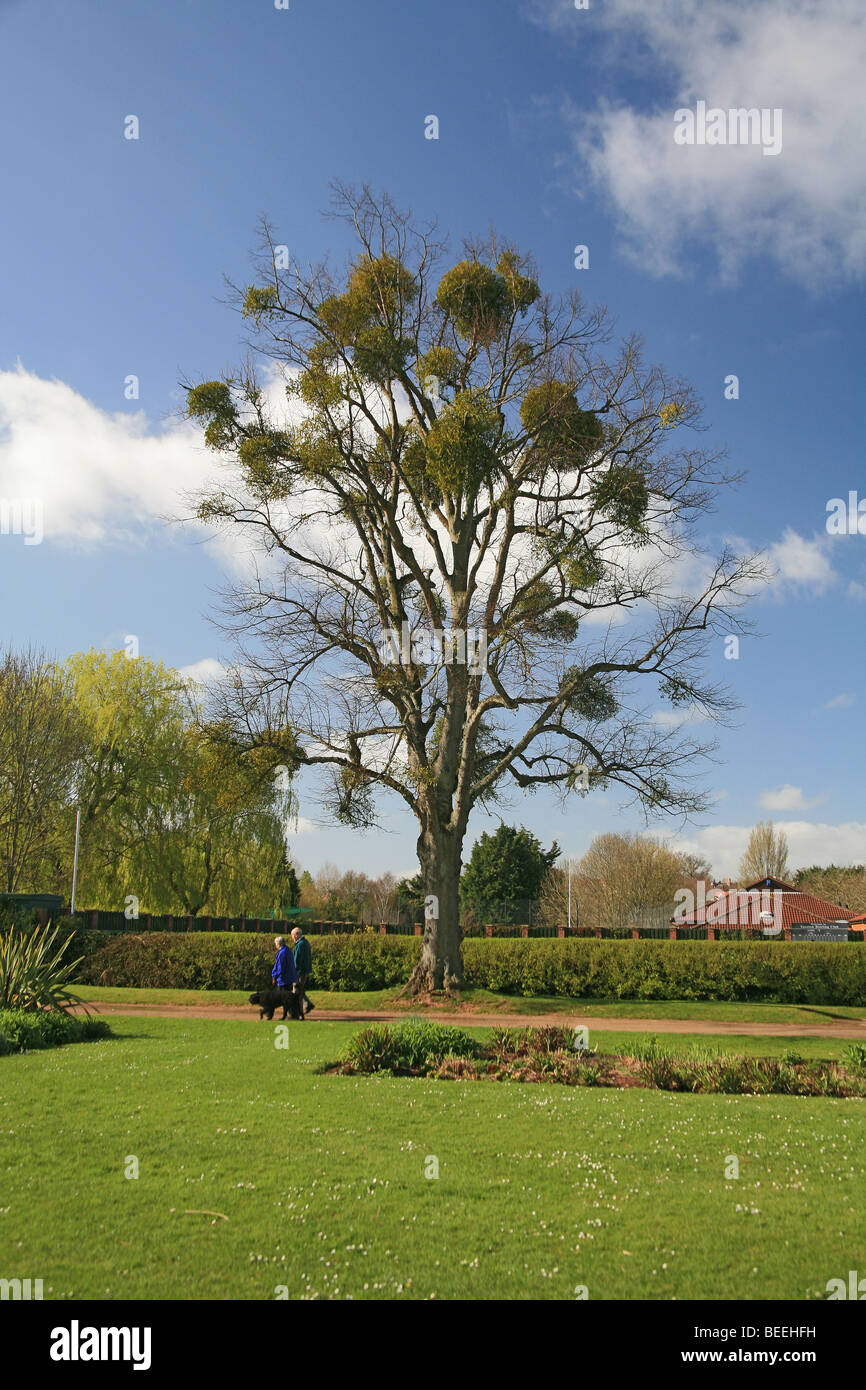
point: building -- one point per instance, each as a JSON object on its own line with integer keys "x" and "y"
{"x": 774, "y": 907}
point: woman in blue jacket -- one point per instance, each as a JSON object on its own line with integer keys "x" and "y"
{"x": 284, "y": 974}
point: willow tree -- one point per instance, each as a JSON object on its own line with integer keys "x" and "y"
{"x": 433, "y": 450}
{"x": 175, "y": 811}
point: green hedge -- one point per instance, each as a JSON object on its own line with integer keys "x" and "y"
{"x": 243, "y": 960}
{"x": 25, "y": 1030}
{"x": 791, "y": 973}
{"x": 783, "y": 972}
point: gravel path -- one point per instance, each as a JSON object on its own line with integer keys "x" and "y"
{"x": 846, "y": 1028}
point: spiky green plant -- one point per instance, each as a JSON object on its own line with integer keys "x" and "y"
{"x": 33, "y": 972}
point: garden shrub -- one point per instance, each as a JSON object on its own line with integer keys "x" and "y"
{"x": 418, "y": 1040}
{"x": 36, "y": 967}
{"x": 531, "y": 1055}
{"x": 372, "y": 1049}
{"x": 412, "y": 1044}
{"x": 787, "y": 973}
{"x": 25, "y": 1030}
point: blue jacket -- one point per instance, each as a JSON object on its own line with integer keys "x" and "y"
{"x": 284, "y": 974}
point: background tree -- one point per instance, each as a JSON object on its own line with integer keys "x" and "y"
{"x": 328, "y": 880}
{"x": 383, "y": 904}
{"x": 504, "y": 873}
{"x": 451, "y": 452}
{"x": 766, "y": 854}
{"x": 618, "y": 878}
{"x": 309, "y": 893}
{"x": 40, "y": 746}
{"x": 133, "y": 714}
{"x": 288, "y": 887}
{"x": 694, "y": 865}
{"x": 552, "y": 907}
{"x": 175, "y": 812}
{"x": 212, "y": 837}
{"x": 410, "y": 898}
{"x": 843, "y": 885}
{"x": 354, "y": 896}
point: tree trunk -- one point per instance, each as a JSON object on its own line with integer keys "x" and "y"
{"x": 441, "y": 962}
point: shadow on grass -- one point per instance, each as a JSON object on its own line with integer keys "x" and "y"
{"x": 826, "y": 1011}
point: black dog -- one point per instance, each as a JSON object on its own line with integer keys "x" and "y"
{"x": 285, "y": 999}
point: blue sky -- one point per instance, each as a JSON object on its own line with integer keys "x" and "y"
{"x": 555, "y": 126}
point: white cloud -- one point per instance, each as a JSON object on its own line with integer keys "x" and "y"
{"x": 111, "y": 479}
{"x": 302, "y": 826}
{"x": 809, "y": 842}
{"x": 204, "y": 671}
{"x": 801, "y": 563}
{"x": 787, "y": 798}
{"x": 101, "y": 477}
{"x": 804, "y": 207}
{"x": 840, "y": 702}
{"x": 676, "y": 718}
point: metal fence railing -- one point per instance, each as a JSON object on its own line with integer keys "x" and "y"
{"x": 117, "y": 921}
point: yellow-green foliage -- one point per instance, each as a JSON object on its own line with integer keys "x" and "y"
{"x": 260, "y": 302}
{"x": 261, "y": 456}
{"x": 461, "y": 446}
{"x": 212, "y": 401}
{"x": 438, "y": 365}
{"x": 622, "y": 494}
{"x": 479, "y": 300}
{"x": 378, "y": 289}
{"x": 562, "y": 433}
{"x": 670, "y": 413}
{"x": 379, "y": 355}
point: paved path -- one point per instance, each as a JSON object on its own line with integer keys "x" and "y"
{"x": 845, "y": 1028}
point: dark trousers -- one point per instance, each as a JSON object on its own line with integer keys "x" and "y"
{"x": 302, "y": 985}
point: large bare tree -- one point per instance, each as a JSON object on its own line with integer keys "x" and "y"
{"x": 452, "y": 457}
{"x": 765, "y": 855}
{"x": 614, "y": 884}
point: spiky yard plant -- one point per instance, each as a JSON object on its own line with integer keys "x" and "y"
{"x": 34, "y": 971}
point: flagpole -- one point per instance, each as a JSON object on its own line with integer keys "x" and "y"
{"x": 75, "y": 859}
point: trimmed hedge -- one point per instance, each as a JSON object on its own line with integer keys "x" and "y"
{"x": 806, "y": 972}
{"x": 781, "y": 972}
{"x": 244, "y": 960}
{"x": 26, "y": 1030}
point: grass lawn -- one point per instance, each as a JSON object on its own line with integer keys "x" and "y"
{"x": 484, "y": 1001}
{"x": 322, "y": 1178}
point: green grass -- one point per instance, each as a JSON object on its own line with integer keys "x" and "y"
{"x": 540, "y": 1188}
{"x": 481, "y": 1000}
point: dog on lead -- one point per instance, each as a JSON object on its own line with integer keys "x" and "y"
{"x": 270, "y": 999}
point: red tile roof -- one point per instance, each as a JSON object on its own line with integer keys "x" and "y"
{"x": 740, "y": 907}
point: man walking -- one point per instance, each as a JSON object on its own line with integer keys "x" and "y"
{"x": 303, "y": 965}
